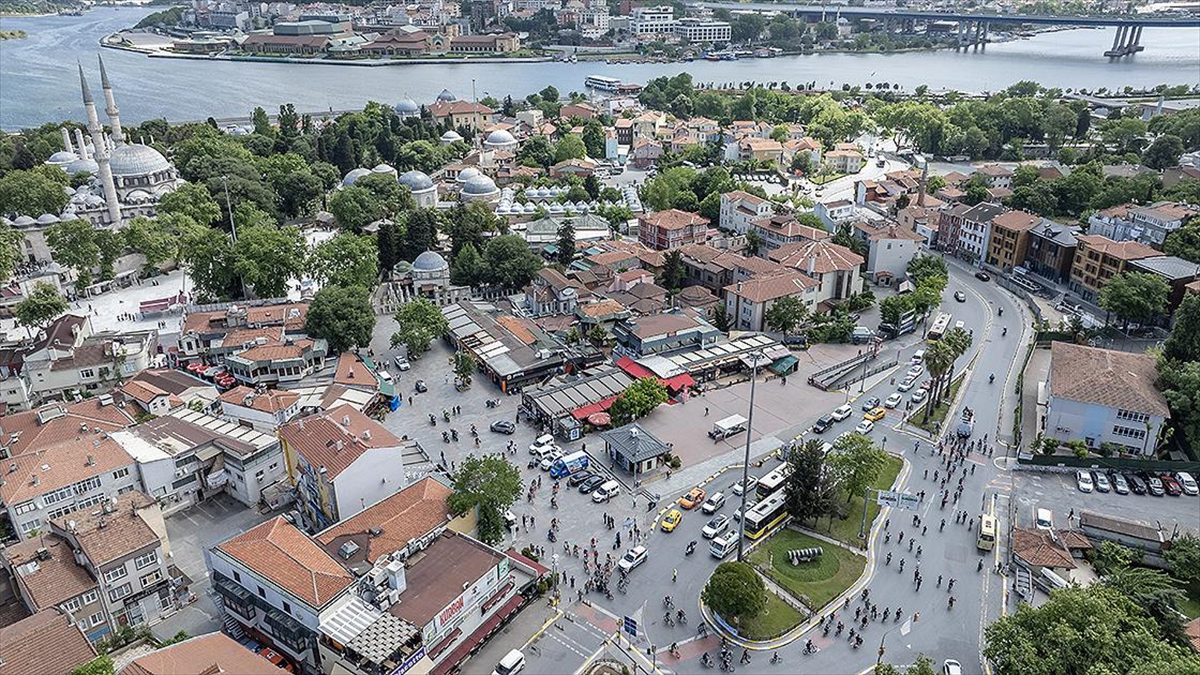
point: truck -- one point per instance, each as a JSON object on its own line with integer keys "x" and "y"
{"x": 732, "y": 425}
{"x": 572, "y": 463}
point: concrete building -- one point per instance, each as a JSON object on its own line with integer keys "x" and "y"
{"x": 739, "y": 209}
{"x": 1051, "y": 250}
{"x": 1176, "y": 271}
{"x": 1102, "y": 397}
{"x": 647, "y": 22}
{"x": 340, "y": 462}
{"x": 201, "y": 655}
{"x": 511, "y": 351}
{"x": 974, "y": 231}
{"x": 1009, "y": 241}
{"x": 663, "y": 334}
{"x": 1149, "y": 224}
{"x": 263, "y": 410}
{"x": 703, "y": 30}
{"x": 665, "y": 230}
{"x": 551, "y": 294}
{"x": 836, "y": 213}
{"x": 747, "y": 302}
{"x": 71, "y": 358}
{"x": 1098, "y": 259}
{"x": 782, "y": 229}
{"x": 996, "y": 176}
{"x": 834, "y": 266}
{"x": 474, "y": 116}
{"x": 890, "y": 247}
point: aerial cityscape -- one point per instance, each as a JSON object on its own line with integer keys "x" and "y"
{"x": 599, "y": 337}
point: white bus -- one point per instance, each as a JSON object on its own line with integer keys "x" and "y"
{"x": 602, "y": 82}
{"x": 940, "y": 325}
{"x": 773, "y": 481}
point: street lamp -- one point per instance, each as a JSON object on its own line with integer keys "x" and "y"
{"x": 746, "y": 459}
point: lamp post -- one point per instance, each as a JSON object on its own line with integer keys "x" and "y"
{"x": 746, "y": 459}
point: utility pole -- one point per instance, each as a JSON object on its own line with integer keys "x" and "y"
{"x": 746, "y": 459}
{"x": 232, "y": 226}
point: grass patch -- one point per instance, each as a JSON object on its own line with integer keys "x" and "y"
{"x": 1191, "y": 604}
{"x": 823, "y": 178}
{"x": 934, "y": 421}
{"x": 814, "y": 583}
{"x": 777, "y": 618}
{"x": 845, "y": 529}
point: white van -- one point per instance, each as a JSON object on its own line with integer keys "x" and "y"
{"x": 544, "y": 439}
{"x": 606, "y": 492}
{"x": 918, "y": 358}
{"x": 1043, "y": 519}
{"x": 723, "y": 546}
{"x": 512, "y": 663}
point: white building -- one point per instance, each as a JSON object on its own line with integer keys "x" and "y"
{"x": 1103, "y": 396}
{"x": 698, "y": 30}
{"x": 747, "y": 302}
{"x": 1148, "y": 224}
{"x": 975, "y": 232}
{"x": 650, "y": 21}
{"x": 264, "y": 410}
{"x": 739, "y": 209}
{"x": 835, "y": 213}
{"x": 833, "y": 265}
{"x": 71, "y": 358}
{"x": 890, "y": 248}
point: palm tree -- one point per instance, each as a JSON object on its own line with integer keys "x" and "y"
{"x": 939, "y": 359}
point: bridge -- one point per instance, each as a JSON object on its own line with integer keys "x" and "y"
{"x": 972, "y": 27}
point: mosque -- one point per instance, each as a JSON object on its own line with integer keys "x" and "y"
{"x": 128, "y": 179}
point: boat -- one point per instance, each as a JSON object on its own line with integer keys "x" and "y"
{"x": 602, "y": 82}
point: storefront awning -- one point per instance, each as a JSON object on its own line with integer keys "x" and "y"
{"x": 592, "y": 408}
{"x": 638, "y": 371}
{"x": 785, "y": 365}
{"x": 476, "y": 639}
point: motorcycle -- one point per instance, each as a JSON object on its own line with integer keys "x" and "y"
{"x": 706, "y": 660}
{"x": 991, "y": 378}
{"x": 432, "y": 420}
{"x": 691, "y": 548}
{"x": 445, "y": 436}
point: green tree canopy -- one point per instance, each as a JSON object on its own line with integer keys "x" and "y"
{"x": 355, "y": 207}
{"x": 10, "y": 251}
{"x": 1183, "y": 343}
{"x": 639, "y": 399}
{"x": 192, "y": 200}
{"x": 420, "y": 323}
{"x": 346, "y": 259}
{"x": 74, "y": 245}
{"x": 856, "y": 464}
{"x": 43, "y": 305}
{"x": 569, "y": 147}
{"x": 735, "y": 592}
{"x": 508, "y": 262}
{"x": 341, "y": 315}
{"x": 1163, "y": 153}
{"x": 31, "y": 193}
{"x": 1183, "y": 558}
{"x": 490, "y": 484}
{"x": 467, "y": 268}
{"x": 785, "y": 314}
{"x": 1135, "y": 296}
{"x": 809, "y": 489}
{"x": 267, "y": 257}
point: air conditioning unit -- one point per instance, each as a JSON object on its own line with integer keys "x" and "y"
{"x": 180, "y": 473}
{"x": 378, "y": 576}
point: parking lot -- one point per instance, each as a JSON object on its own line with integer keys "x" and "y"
{"x": 1059, "y": 493}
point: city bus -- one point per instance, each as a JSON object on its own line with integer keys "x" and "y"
{"x": 773, "y": 481}
{"x": 987, "y": 533}
{"x": 940, "y": 325}
{"x": 765, "y": 515}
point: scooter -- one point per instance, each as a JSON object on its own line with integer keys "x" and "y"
{"x": 445, "y": 436}
{"x": 432, "y": 420}
{"x": 691, "y": 548}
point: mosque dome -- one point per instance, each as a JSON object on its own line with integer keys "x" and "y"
{"x": 135, "y": 159}
{"x": 468, "y": 173}
{"x": 446, "y": 96}
{"x": 354, "y": 175}
{"x": 416, "y": 180}
{"x": 80, "y": 166}
{"x": 407, "y": 106}
{"x": 529, "y": 208}
{"x": 24, "y": 221}
{"x": 47, "y": 219}
{"x": 430, "y": 261}
{"x": 62, "y": 157}
{"x": 384, "y": 168}
{"x": 500, "y": 138}
{"x": 479, "y": 185}
{"x": 451, "y": 136}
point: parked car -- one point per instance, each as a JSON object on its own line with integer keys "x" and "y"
{"x": 841, "y": 412}
{"x": 1153, "y": 485}
{"x": 714, "y": 503}
{"x": 1043, "y": 519}
{"x": 864, "y": 427}
{"x": 402, "y": 363}
{"x": 822, "y": 424}
{"x": 549, "y": 459}
{"x": 577, "y": 479}
{"x": 1136, "y": 484}
{"x": 1120, "y": 485}
{"x": 919, "y": 395}
{"x": 692, "y": 499}
{"x": 916, "y": 370}
{"x": 983, "y": 276}
{"x": 872, "y": 402}
{"x": 960, "y": 296}
{"x": 632, "y": 558}
{"x": 671, "y": 520}
{"x": 503, "y": 427}
{"x": 893, "y": 400}
{"x": 951, "y": 667}
{"x": 512, "y": 663}
{"x": 752, "y": 481}
{"x": 1187, "y": 483}
{"x": 715, "y": 527}
{"x": 1084, "y": 480}
{"x": 1171, "y": 485}
{"x": 590, "y": 484}
{"x": 1101, "y": 482}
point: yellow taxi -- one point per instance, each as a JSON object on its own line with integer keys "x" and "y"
{"x": 693, "y": 499}
{"x": 672, "y": 520}
{"x": 875, "y": 414}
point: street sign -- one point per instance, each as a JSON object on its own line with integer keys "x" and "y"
{"x": 887, "y": 498}
{"x": 909, "y": 501}
{"x": 898, "y": 500}
{"x": 629, "y": 625}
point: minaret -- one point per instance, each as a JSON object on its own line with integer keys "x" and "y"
{"x": 83, "y": 150}
{"x": 110, "y": 106}
{"x": 101, "y": 154}
{"x": 66, "y": 140}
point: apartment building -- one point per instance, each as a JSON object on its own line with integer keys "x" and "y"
{"x": 1098, "y": 259}
{"x": 1149, "y": 224}
{"x": 665, "y": 230}
{"x": 647, "y": 22}
{"x": 262, "y": 409}
{"x": 782, "y": 229}
{"x": 890, "y": 247}
{"x": 663, "y": 334}
{"x": 213, "y": 331}
{"x": 836, "y": 213}
{"x": 1009, "y": 241}
{"x": 996, "y": 176}
{"x": 1051, "y": 250}
{"x": 46, "y": 642}
{"x": 698, "y": 30}
{"x": 55, "y": 423}
{"x": 747, "y": 302}
{"x": 739, "y": 209}
{"x": 274, "y": 364}
{"x": 833, "y": 266}
{"x": 974, "y": 230}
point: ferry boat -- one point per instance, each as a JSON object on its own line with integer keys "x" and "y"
{"x": 602, "y": 83}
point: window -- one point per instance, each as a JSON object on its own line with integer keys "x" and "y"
{"x": 96, "y": 619}
{"x": 237, "y": 577}
{"x": 116, "y": 573}
{"x": 71, "y": 605}
{"x": 143, "y": 561}
{"x": 1129, "y": 432}
{"x": 127, "y": 488}
{"x": 87, "y": 373}
{"x": 32, "y": 525}
{"x": 121, "y": 473}
{"x": 90, "y": 597}
{"x": 28, "y": 507}
{"x": 1132, "y": 416}
{"x": 262, "y": 593}
{"x": 120, "y": 591}
{"x": 152, "y": 578}
{"x": 287, "y": 607}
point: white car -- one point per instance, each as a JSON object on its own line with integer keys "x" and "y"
{"x": 864, "y": 427}
{"x": 714, "y": 503}
{"x": 907, "y": 383}
{"x": 893, "y": 401}
{"x": 549, "y": 459}
{"x": 715, "y": 527}
{"x": 842, "y": 412}
{"x": 916, "y": 371}
{"x": 402, "y": 363}
{"x": 1187, "y": 483}
{"x": 919, "y": 395}
{"x": 752, "y": 481}
{"x": 1084, "y": 480}
{"x": 511, "y": 664}
{"x": 632, "y": 558}
{"x": 951, "y": 667}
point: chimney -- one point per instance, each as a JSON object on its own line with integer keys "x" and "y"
{"x": 91, "y": 460}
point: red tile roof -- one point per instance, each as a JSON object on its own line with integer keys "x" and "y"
{"x": 24, "y": 431}
{"x": 105, "y": 537}
{"x": 673, "y": 219}
{"x": 269, "y": 401}
{"x": 406, "y": 515}
{"x": 45, "y": 470}
{"x": 336, "y": 438}
{"x": 47, "y": 642}
{"x": 773, "y": 287}
{"x": 1125, "y": 250}
{"x": 211, "y": 654}
{"x": 817, "y": 257}
{"x": 56, "y": 579}
{"x": 283, "y": 555}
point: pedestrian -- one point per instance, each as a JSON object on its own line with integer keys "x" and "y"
{"x": 924, "y": 530}
{"x": 706, "y": 411}
{"x": 572, "y": 581}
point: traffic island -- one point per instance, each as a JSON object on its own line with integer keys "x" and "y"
{"x": 813, "y": 583}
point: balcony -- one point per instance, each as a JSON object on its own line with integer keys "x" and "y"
{"x": 236, "y": 599}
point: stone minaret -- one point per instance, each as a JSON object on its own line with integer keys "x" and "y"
{"x": 67, "y": 140}
{"x": 101, "y": 154}
{"x": 83, "y": 150}
{"x": 110, "y": 107}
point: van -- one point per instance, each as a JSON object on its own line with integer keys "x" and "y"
{"x": 606, "y": 492}
{"x": 826, "y": 448}
{"x": 723, "y": 546}
{"x": 918, "y": 358}
{"x": 861, "y": 335}
{"x": 512, "y": 663}
{"x": 1043, "y": 519}
{"x": 544, "y": 439}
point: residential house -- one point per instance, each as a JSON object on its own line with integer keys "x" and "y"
{"x": 665, "y": 230}
{"x": 474, "y": 116}
{"x": 921, "y": 219}
{"x": 264, "y": 410}
{"x": 844, "y": 160}
{"x": 210, "y": 334}
{"x": 46, "y": 642}
{"x": 551, "y": 294}
{"x": 747, "y": 302}
{"x": 804, "y": 147}
{"x": 1104, "y": 396}
{"x": 1009, "y": 243}
{"x": 582, "y": 110}
{"x": 663, "y": 334}
{"x": 1176, "y": 271}
{"x": 604, "y": 313}
{"x": 72, "y": 358}
{"x": 782, "y": 229}
{"x": 708, "y": 266}
{"x": 836, "y": 213}
{"x": 1148, "y": 224}
{"x": 580, "y": 168}
{"x": 53, "y": 423}
{"x": 833, "y": 265}
{"x": 201, "y": 655}
{"x": 739, "y": 209}
{"x": 645, "y": 153}
{"x": 949, "y": 224}
{"x": 974, "y": 231}
{"x": 1098, "y": 259}
{"x": 890, "y": 247}
{"x": 1051, "y": 250}
{"x": 996, "y": 176}
{"x": 768, "y": 150}
{"x": 340, "y": 462}
{"x": 158, "y": 390}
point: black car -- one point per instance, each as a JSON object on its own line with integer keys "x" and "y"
{"x": 420, "y": 387}
{"x": 577, "y": 478}
{"x": 1136, "y": 484}
{"x": 983, "y": 276}
{"x": 591, "y": 484}
{"x": 503, "y": 427}
{"x": 822, "y": 425}
{"x": 871, "y": 403}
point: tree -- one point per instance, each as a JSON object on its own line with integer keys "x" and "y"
{"x": 566, "y": 243}
{"x": 893, "y": 306}
{"x": 509, "y": 262}
{"x": 720, "y": 318}
{"x": 593, "y": 138}
{"x": 343, "y": 316}
{"x": 464, "y": 366}
{"x": 674, "y": 273}
{"x": 420, "y": 322}
{"x": 785, "y": 314}
{"x": 346, "y": 260}
{"x": 1180, "y": 384}
{"x": 922, "y": 666}
{"x": 939, "y": 359}
{"x": 467, "y": 267}
{"x": 923, "y": 267}
{"x": 754, "y": 242}
{"x": 154, "y": 238}
{"x": 73, "y": 243}
{"x": 1156, "y": 593}
{"x": 101, "y": 665}
{"x": 354, "y": 208}
{"x": 1183, "y": 558}
{"x": 10, "y": 251}
{"x": 1112, "y": 557}
{"x": 208, "y": 254}
{"x": 31, "y": 193}
{"x": 1163, "y": 153}
{"x": 1183, "y": 343}
{"x": 639, "y": 399}
{"x": 735, "y": 591}
{"x": 856, "y": 464}
{"x": 809, "y": 492}
{"x": 489, "y": 484}
{"x": 420, "y": 233}
{"x": 1185, "y": 241}
{"x": 267, "y": 257}
{"x": 192, "y": 200}
{"x": 43, "y": 305}
{"x": 569, "y": 147}
{"x": 1135, "y": 296}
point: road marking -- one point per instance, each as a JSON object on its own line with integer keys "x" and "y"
{"x": 538, "y": 633}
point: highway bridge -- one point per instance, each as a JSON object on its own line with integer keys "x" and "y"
{"x": 973, "y": 27}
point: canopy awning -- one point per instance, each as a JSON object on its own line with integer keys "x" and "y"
{"x": 785, "y": 365}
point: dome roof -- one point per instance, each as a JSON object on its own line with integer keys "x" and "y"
{"x": 416, "y": 180}
{"x": 451, "y": 136}
{"x": 354, "y": 175}
{"x": 135, "y": 159}
{"x": 47, "y": 219}
{"x": 62, "y": 157}
{"x": 82, "y": 166}
{"x": 500, "y": 137}
{"x": 430, "y": 261}
{"x": 468, "y": 173}
{"x": 529, "y": 208}
{"x": 407, "y": 106}
{"x": 446, "y": 96}
{"x": 24, "y": 221}
{"x": 479, "y": 185}
{"x": 383, "y": 168}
